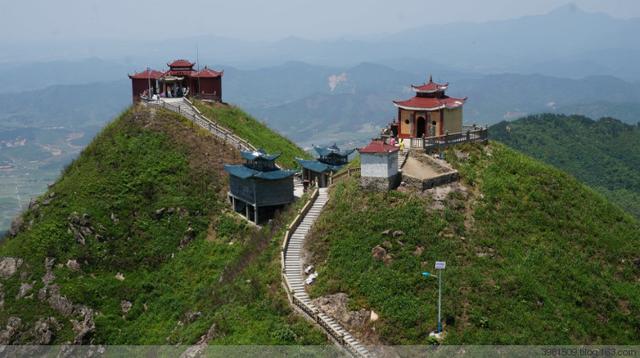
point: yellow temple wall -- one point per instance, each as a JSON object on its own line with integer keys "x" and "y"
{"x": 453, "y": 120}
{"x": 404, "y": 127}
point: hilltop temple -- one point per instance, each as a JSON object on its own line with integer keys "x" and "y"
{"x": 330, "y": 160}
{"x": 258, "y": 188}
{"x": 429, "y": 113}
{"x": 180, "y": 80}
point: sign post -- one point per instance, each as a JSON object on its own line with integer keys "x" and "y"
{"x": 440, "y": 265}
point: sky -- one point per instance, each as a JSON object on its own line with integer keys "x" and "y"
{"x": 68, "y": 20}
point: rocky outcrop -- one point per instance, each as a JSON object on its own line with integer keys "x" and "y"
{"x": 44, "y": 330}
{"x": 189, "y": 235}
{"x": 9, "y": 266}
{"x": 17, "y": 225}
{"x": 125, "y": 306}
{"x": 198, "y": 349}
{"x": 336, "y": 306}
{"x": 24, "y": 290}
{"x": 380, "y": 253}
{"x": 80, "y": 227}
{"x": 8, "y": 335}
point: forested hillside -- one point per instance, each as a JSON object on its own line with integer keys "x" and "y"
{"x": 604, "y": 154}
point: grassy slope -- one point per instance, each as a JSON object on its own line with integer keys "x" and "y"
{"x": 604, "y": 154}
{"x": 533, "y": 257}
{"x": 253, "y": 131}
{"x": 229, "y": 272}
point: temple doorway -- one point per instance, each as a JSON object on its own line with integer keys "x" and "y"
{"x": 420, "y": 127}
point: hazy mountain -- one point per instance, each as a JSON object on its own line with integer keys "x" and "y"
{"x": 567, "y": 42}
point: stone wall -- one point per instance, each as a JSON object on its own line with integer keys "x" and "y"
{"x": 381, "y": 184}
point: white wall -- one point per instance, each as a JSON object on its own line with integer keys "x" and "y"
{"x": 378, "y": 165}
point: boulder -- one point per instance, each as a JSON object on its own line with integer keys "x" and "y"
{"x": 418, "y": 251}
{"x": 60, "y": 303}
{"x": 8, "y": 334}
{"x": 373, "y": 316}
{"x": 378, "y": 253}
{"x": 44, "y": 331}
{"x": 159, "y": 213}
{"x": 24, "y": 290}
{"x": 398, "y": 233}
{"x": 119, "y": 276}
{"x": 125, "y": 306}
{"x": 73, "y": 265}
{"x": 9, "y": 266}
{"x": 83, "y": 328}
{"x": 189, "y": 235}
{"x": 16, "y": 226}
{"x": 386, "y": 232}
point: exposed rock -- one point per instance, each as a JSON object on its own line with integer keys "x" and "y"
{"x": 398, "y": 233}
{"x": 380, "y": 254}
{"x": 336, "y": 306}
{"x": 85, "y": 327}
{"x": 1, "y": 296}
{"x": 461, "y": 155}
{"x": 60, "y": 303}
{"x": 637, "y": 263}
{"x": 419, "y": 250}
{"x": 197, "y": 350}
{"x": 25, "y": 288}
{"x": 387, "y": 244}
{"x": 80, "y": 227}
{"x": 16, "y": 226}
{"x": 125, "y": 306}
{"x": 9, "y": 266}
{"x": 48, "y": 266}
{"x": 44, "y": 330}
{"x": 386, "y": 232}
{"x": 8, "y": 334}
{"x": 119, "y": 276}
{"x": 171, "y": 211}
{"x": 191, "y": 316}
{"x": 114, "y": 218}
{"x": 373, "y": 316}
{"x": 159, "y": 213}
{"x": 73, "y": 265}
{"x": 189, "y": 235}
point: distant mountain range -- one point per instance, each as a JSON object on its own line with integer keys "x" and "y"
{"x": 566, "y": 42}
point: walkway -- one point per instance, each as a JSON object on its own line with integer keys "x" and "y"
{"x": 184, "y": 107}
{"x": 294, "y": 279}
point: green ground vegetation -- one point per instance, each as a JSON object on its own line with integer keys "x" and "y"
{"x": 604, "y": 154}
{"x": 255, "y": 132}
{"x": 150, "y": 189}
{"x": 533, "y": 256}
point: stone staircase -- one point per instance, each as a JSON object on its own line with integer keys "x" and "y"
{"x": 294, "y": 273}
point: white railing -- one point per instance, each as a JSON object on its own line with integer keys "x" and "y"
{"x": 312, "y": 312}
{"x": 196, "y": 116}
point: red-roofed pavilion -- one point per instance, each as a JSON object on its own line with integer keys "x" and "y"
{"x": 180, "y": 80}
{"x": 430, "y": 112}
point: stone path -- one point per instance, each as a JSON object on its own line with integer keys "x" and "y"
{"x": 294, "y": 273}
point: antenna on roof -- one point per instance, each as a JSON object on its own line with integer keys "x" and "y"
{"x": 430, "y": 78}
{"x": 198, "y": 66}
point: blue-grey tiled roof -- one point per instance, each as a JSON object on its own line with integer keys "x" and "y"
{"x": 259, "y": 154}
{"x": 326, "y": 151}
{"x": 317, "y": 166}
{"x": 244, "y": 172}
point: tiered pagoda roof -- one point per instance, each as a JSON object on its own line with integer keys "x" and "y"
{"x": 259, "y": 165}
{"x": 330, "y": 159}
{"x": 430, "y": 96}
{"x": 430, "y": 104}
{"x": 181, "y": 63}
